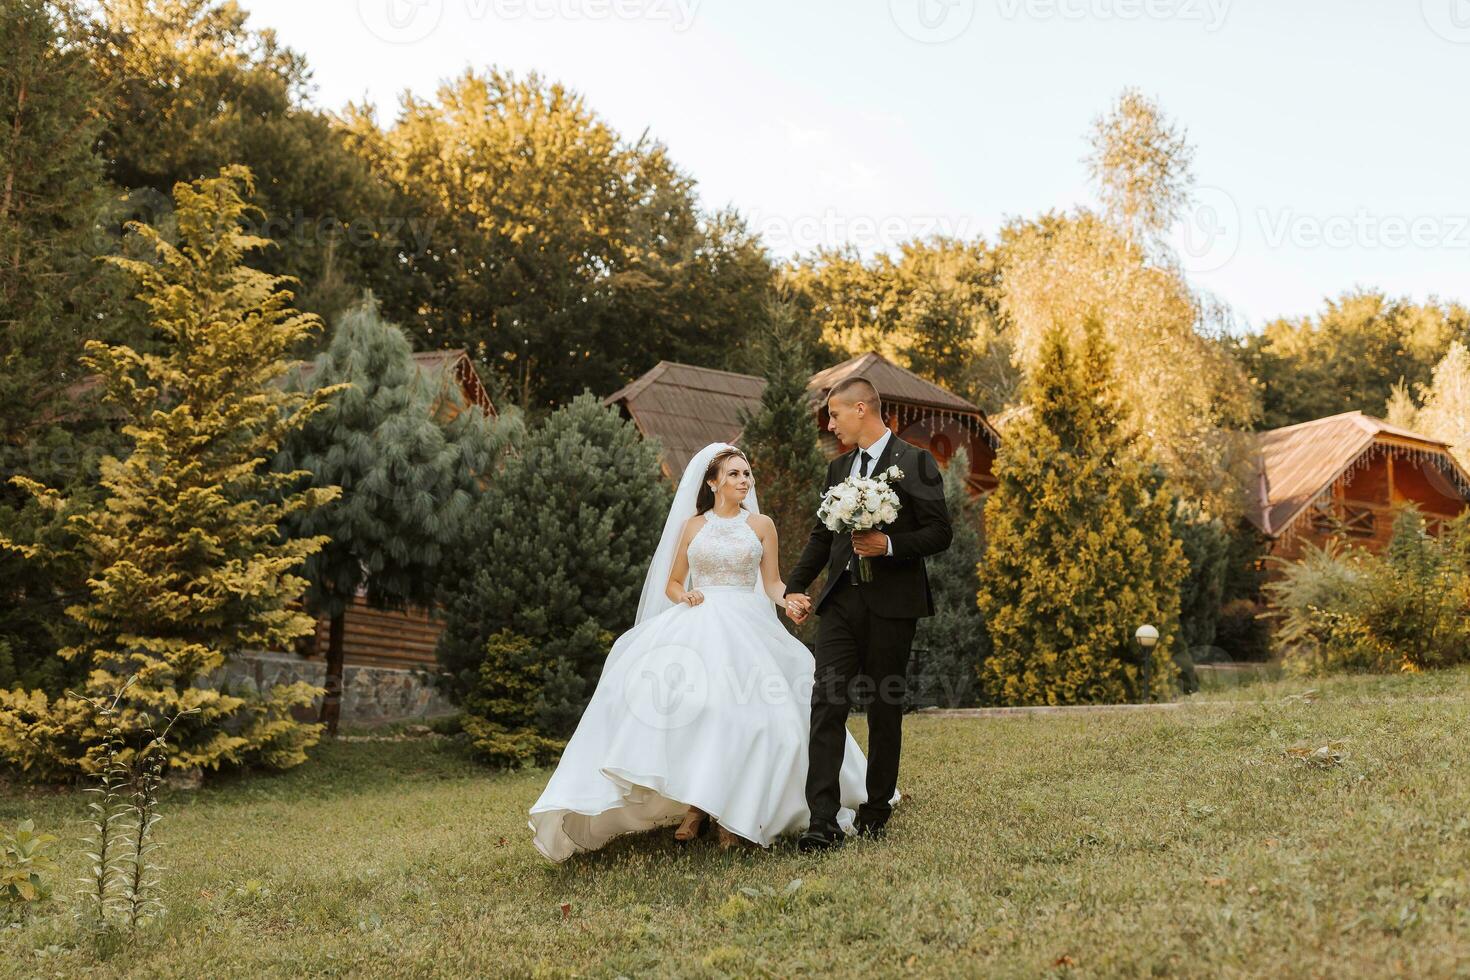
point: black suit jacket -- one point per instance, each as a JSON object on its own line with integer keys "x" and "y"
{"x": 900, "y": 586}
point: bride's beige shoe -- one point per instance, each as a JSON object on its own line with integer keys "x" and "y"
{"x": 727, "y": 839}
{"x": 693, "y": 824}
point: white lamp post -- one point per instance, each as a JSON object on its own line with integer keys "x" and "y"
{"x": 1147, "y": 636}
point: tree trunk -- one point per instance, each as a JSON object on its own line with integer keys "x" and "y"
{"x": 332, "y": 703}
{"x": 20, "y": 106}
{"x": 9, "y": 196}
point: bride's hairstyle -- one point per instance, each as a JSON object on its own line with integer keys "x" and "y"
{"x": 706, "y": 498}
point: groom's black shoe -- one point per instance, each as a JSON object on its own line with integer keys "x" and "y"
{"x": 871, "y": 824}
{"x": 820, "y": 840}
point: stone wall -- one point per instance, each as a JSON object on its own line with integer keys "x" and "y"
{"x": 370, "y": 695}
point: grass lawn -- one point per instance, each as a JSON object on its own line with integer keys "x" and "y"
{"x": 1182, "y": 842}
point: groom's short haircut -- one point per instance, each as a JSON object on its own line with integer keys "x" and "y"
{"x": 858, "y": 389}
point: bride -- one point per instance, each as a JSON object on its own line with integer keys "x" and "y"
{"x": 704, "y": 706}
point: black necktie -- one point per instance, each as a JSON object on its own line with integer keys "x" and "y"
{"x": 865, "y": 459}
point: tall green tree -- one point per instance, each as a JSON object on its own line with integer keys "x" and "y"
{"x": 780, "y": 434}
{"x": 409, "y": 457}
{"x": 934, "y": 308}
{"x": 555, "y": 554}
{"x": 951, "y": 647}
{"x": 562, "y": 255}
{"x": 184, "y": 560}
{"x": 1350, "y": 356}
{"x": 51, "y": 190}
{"x": 191, "y": 86}
{"x": 1079, "y": 550}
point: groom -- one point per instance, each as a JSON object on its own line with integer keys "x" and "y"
{"x": 866, "y": 629}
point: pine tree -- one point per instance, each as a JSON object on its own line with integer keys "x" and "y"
{"x": 184, "y": 559}
{"x": 1079, "y": 550}
{"x": 780, "y": 436}
{"x": 950, "y": 647}
{"x": 51, "y": 189}
{"x": 556, "y": 551}
{"x": 1206, "y": 547}
{"x": 408, "y": 478}
{"x": 51, "y": 298}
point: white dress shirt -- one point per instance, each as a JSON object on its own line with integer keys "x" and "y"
{"x": 874, "y": 451}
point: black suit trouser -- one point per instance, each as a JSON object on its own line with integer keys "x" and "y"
{"x": 861, "y": 659}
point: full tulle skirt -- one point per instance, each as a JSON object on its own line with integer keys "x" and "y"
{"x": 707, "y": 706}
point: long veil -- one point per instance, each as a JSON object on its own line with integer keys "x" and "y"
{"x": 653, "y": 600}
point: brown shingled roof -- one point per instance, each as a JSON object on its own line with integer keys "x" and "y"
{"x": 893, "y": 383}
{"x": 686, "y": 407}
{"x": 1298, "y": 462}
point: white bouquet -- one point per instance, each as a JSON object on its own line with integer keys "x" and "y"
{"x": 861, "y": 503}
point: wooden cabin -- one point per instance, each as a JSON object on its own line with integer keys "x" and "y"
{"x": 686, "y": 408}
{"x": 1345, "y": 476}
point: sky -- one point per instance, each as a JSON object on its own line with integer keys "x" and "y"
{"x": 1332, "y": 150}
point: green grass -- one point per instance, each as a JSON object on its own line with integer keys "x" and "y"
{"x": 1183, "y": 842}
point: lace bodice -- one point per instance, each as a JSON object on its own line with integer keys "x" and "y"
{"x": 725, "y": 551}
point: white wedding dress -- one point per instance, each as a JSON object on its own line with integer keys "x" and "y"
{"x": 708, "y": 705}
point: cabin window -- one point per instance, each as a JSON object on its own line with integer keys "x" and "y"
{"x": 1359, "y": 522}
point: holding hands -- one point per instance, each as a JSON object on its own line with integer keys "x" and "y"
{"x": 798, "y": 607}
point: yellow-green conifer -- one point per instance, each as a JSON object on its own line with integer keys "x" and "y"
{"x": 184, "y": 561}
{"x": 1079, "y": 549}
